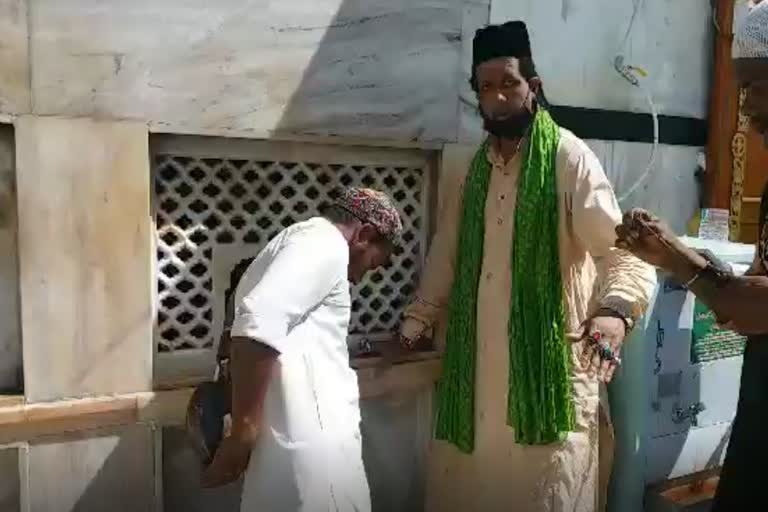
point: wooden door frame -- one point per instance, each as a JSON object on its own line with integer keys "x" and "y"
{"x": 723, "y": 112}
{"x": 726, "y": 163}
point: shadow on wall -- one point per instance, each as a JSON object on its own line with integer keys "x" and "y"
{"x": 10, "y": 331}
{"x": 382, "y": 70}
{"x": 93, "y": 470}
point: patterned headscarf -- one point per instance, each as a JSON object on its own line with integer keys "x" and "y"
{"x": 375, "y": 208}
{"x": 751, "y": 39}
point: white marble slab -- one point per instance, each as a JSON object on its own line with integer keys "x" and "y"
{"x": 14, "y": 59}
{"x": 670, "y": 189}
{"x": 575, "y": 44}
{"x": 359, "y": 68}
{"x": 85, "y": 257}
{"x": 475, "y": 15}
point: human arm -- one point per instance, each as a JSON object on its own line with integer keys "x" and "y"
{"x": 251, "y": 366}
{"x": 624, "y": 282}
{"x": 269, "y": 308}
{"x": 738, "y": 301}
{"x": 432, "y": 296}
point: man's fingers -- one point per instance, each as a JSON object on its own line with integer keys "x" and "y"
{"x": 621, "y": 244}
{"x": 608, "y": 377}
{"x": 594, "y": 366}
{"x": 605, "y": 367}
{"x": 586, "y": 355}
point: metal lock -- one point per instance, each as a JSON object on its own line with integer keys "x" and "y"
{"x": 679, "y": 415}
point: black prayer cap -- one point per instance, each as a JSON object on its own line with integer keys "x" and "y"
{"x": 507, "y": 40}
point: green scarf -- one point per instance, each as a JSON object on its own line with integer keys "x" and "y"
{"x": 540, "y": 406}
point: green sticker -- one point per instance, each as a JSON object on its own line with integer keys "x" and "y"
{"x": 709, "y": 342}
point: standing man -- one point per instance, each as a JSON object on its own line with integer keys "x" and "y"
{"x": 740, "y": 302}
{"x": 511, "y": 267}
{"x": 295, "y": 411}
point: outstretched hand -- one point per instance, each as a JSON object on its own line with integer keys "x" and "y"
{"x": 602, "y": 337}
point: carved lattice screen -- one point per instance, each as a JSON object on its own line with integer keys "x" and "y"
{"x": 214, "y": 191}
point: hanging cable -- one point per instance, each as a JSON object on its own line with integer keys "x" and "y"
{"x": 649, "y": 168}
{"x": 633, "y": 75}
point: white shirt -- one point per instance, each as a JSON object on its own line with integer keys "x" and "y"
{"x": 295, "y": 298}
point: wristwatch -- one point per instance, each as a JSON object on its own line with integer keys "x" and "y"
{"x": 716, "y": 271}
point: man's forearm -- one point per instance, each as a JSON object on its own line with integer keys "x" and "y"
{"x": 739, "y": 300}
{"x": 251, "y": 365}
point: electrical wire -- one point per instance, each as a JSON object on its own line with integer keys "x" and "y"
{"x": 637, "y": 5}
{"x": 649, "y": 168}
{"x": 630, "y": 74}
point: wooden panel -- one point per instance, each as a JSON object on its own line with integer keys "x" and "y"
{"x": 93, "y": 471}
{"x": 756, "y": 170}
{"x": 10, "y": 483}
{"x": 14, "y": 58}
{"x": 748, "y": 233}
{"x": 755, "y": 178}
{"x": 85, "y": 257}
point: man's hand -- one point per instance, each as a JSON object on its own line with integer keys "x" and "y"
{"x": 229, "y": 462}
{"x": 414, "y": 335}
{"x": 649, "y": 238}
{"x": 611, "y": 331}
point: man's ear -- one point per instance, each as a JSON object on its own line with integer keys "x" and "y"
{"x": 535, "y": 85}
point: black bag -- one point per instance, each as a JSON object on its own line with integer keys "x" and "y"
{"x": 211, "y": 401}
{"x": 206, "y": 412}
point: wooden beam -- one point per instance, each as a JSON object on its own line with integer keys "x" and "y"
{"x": 723, "y": 113}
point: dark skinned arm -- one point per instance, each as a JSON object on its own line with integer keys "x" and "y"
{"x": 251, "y": 366}
{"x": 741, "y": 302}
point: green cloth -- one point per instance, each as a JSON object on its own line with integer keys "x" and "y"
{"x": 540, "y": 402}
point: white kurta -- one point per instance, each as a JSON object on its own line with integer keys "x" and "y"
{"x": 295, "y": 298}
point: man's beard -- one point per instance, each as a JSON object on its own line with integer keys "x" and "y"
{"x": 512, "y": 127}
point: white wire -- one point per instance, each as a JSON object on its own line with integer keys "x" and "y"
{"x": 637, "y": 5}
{"x": 629, "y": 74}
{"x": 655, "y": 116}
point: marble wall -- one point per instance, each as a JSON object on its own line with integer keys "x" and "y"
{"x": 362, "y": 68}
{"x": 575, "y": 44}
{"x": 15, "y": 96}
